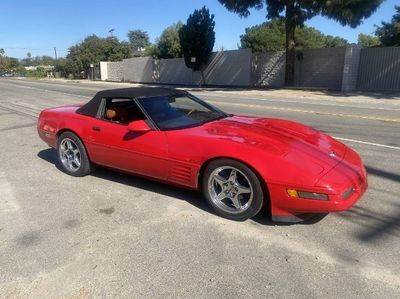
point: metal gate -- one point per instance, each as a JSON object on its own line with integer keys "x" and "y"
{"x": 93, "y": 73}
{"x": 379, "y": 69}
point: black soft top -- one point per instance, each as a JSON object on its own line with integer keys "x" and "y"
{"x": 91, "y": 107}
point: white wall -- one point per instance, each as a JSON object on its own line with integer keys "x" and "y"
{"x": 103, "y": 70}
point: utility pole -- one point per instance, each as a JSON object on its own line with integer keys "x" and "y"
{"x": 111, "y": 31}
{"x": 55, "y": 52}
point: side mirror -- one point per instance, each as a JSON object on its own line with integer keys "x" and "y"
{"x": 138, "y": 126}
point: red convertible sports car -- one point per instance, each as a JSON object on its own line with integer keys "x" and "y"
{"x": 241, "y": 163}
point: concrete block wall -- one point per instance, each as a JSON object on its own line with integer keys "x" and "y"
{"x": 268, "y": 69}
{"x": 346, "y": 68}
{"x": 138, "y": 70}
{"x": 174, "y": 71}
{"x": 350, "y": 68}
{"x": 114, "y": 71}
{"x": 313, "y": 68}
{"x": 320, "y": 68}
{"x": 229, "y": 68}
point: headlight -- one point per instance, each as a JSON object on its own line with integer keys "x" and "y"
{"x": 307, "y": 195}
{"x": 346, "y": 194}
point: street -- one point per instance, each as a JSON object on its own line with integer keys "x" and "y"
{"x": 111, "y": 235}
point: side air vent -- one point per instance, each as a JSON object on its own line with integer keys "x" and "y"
{"x": 181, "y": 173}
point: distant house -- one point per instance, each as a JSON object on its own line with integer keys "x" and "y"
{"x": 138, "y": 51}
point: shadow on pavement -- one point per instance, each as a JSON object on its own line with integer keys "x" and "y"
{"x": 383, "y": 174}
{"x": 192, "y": 197}
{"x": 375, "y": 224}
{"x": 195, "y": 198}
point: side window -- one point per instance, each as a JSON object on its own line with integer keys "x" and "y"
{"x": 122, "y": 111}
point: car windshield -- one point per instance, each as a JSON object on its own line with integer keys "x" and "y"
{"x": 177, "y": 112}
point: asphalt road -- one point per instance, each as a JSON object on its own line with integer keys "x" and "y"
{"x": 110, "y": 235}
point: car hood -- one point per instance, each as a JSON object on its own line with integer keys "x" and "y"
{"x": 285, "y": 138}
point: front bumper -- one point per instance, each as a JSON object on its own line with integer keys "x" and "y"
{"x": 339, "y": 180}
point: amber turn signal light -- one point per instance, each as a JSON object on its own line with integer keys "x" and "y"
{"x": 306, "y": 195}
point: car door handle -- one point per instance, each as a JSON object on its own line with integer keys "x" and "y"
{"x": 96, "y": 129}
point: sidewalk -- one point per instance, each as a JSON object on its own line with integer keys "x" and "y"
{"x": 388, "y": 99}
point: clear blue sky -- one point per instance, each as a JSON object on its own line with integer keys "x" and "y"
{"x": 37, "y": 26}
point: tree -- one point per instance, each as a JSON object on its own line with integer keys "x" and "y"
{"x": 94, "y": 49}
{"x": 270, "y": 36}
{"x": 14, "y": 63}
{"x": 9, "y": 64}
{"x": 389, "y": 33}
{"x": 2, "y": 59}
{"x": 368, "y": 41}
{"x": 4, "y": 62}
{"x": 296, "y": 12}
{"x": 28, "y": 60}
{"x": 168, "y": 44}
{"x": 39, "y": 72}
{"x": 197, "y": 38}
{"x": 139, "y": 40}
{"x": 152, "y": 50}
{"x": 44, "y": 60}
{"x": 335, "y": 41}
{"x": 20, "y": 70}
{"x": 38, "y": 60}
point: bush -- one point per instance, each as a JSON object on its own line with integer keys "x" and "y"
{"x": 38, "y": 73}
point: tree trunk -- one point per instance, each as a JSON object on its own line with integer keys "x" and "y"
{"x": 290, "y": 27}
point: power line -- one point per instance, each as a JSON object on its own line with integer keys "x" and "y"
{"x": 31, "y": 49}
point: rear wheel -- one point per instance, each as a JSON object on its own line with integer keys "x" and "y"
{"x": 72, "y": 155}
{"x": 232, "y": 189}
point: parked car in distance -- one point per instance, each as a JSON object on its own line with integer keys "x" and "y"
{"x": 241, "y": 163}
{"x": 6, "y": 75}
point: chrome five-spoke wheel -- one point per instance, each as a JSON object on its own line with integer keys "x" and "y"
{"x": 230, "y": 189}
{"x": 233, "y": 189}
{"x": 70, "y": 155}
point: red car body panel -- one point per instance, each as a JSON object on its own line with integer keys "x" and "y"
{"x": 284, "y": 155}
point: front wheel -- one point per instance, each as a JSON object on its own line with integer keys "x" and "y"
{"x": 232, "y": 189}
{"x": 72, "y": 155}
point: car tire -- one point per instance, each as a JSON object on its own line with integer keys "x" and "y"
{"x": 233, "y": 190}
{"x": 72, "y": 156}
